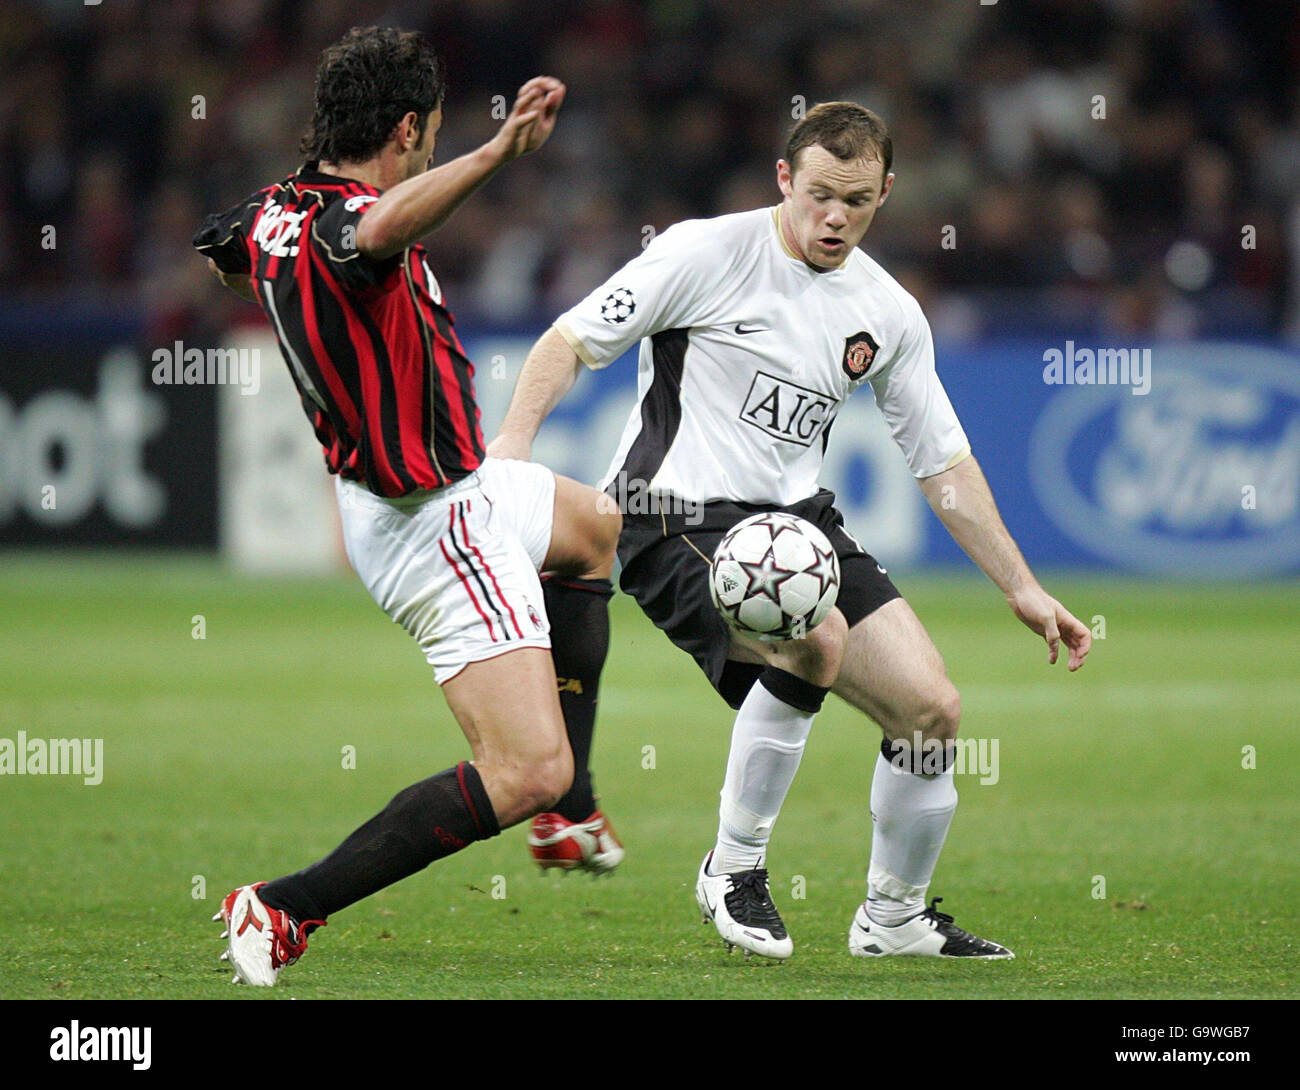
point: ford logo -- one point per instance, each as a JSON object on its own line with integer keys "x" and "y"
{"x": 1201, "y": 477}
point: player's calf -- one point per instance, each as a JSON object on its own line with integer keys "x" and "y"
{"x": 267, "y": 924}
{"x": 575, "y": 835}
{"x": 579, "y": 561}
{"x": 893, "y": 672}
{"x": 510, "y": 713}
{"x": 578, "y": 610}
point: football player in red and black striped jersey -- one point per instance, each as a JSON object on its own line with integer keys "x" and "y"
{"x": 447, "y": 541}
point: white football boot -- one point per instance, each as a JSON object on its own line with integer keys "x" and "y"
{"x": 929, "y": 934}
{"x": 741, "y": 908}
{"x": 261, "y": 940}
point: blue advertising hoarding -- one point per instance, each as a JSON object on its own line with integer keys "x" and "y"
{"x": 1178, "y": 459}
{"x": 1184, "y": 462}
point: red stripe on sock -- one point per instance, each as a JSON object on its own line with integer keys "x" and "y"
{"x": 469, "y": 801}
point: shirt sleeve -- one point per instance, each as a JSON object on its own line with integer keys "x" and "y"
{"x": 916, "y": 406}
{"x": 334, "y": 237}
{"x": 665, "y": 287}
{"x": 223, "y": 236}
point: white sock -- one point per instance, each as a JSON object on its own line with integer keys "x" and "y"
{"x": 910, "y": 816}
{"x": 766, "y": 746}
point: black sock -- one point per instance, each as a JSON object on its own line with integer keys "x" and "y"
{"x": 924, "y": 757}
{"x": 578, "y": 610}
{"x": 793, "y": 690}
{"x": 429, "y": 820}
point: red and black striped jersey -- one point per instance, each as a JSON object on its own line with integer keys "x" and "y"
{"x": 381, "y": 373}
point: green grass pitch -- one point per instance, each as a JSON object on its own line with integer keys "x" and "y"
{"x": 224, "y": 763}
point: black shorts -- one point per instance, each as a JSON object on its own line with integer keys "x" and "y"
{"x": 666, "y": 558}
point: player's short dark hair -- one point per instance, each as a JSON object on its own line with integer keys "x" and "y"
{"x": 365, "y": 84}
{"x": 845, "y": 129}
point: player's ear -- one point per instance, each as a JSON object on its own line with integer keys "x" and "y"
{"x": 784, "y": 178}
{"x": 884, "y": 189}
{"x": 408, "y": 131}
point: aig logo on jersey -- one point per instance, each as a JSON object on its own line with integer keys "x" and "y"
{"x": 785, "y": 411}
{"x": 859, "y": 354}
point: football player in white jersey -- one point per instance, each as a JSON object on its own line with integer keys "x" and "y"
{"x": 754, "y": 329}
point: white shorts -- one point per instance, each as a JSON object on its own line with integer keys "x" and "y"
{"x": 457, "y": 567}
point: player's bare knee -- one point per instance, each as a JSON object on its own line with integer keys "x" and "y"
{"x": 609, "y": 525}
{"x": 940, "y": 718}
{"x": 817, "y": 656}
{"x": 600, "y": 562}
{"x": 595, "y": 534}
{"x": 828, "y": 641}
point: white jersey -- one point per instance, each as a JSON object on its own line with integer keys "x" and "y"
{"x": 747, "y": 355}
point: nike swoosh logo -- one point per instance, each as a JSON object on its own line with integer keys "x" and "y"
{"x": 710, "y": 906}
{"x": 740, "y": 328}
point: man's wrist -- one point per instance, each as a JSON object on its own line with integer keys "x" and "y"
{"x": 493, "y": 155}
{"x": 517, "y": 434}
{"x": 516, "y": 444}
{"x": 1018, "y": 583}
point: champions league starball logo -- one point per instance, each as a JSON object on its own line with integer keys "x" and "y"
{"x": 619, "y": 306}
{"x": 859, "y": 352}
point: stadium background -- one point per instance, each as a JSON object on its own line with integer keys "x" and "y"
{"x": 181, "y": 592}
{"x": 1022, "y": 219}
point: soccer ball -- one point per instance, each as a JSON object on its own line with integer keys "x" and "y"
{"x": 774, "y": 576}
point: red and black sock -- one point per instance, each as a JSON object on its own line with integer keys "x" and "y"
{"x": 427, "y": 821}
{"x": 578, "y": 610}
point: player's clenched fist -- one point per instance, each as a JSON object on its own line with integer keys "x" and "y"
{"x": 532, "y": 118}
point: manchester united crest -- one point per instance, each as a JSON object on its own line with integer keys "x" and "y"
{"x": 859, "y": 353}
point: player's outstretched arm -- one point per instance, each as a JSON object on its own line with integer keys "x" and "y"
{"x": 962, "y": 499}
{"x": 548, "y": 374}
{"x": 419, "y": 205}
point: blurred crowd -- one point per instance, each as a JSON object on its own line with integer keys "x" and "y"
{"x": 1131, "y": 165}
